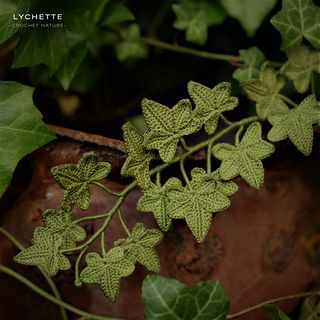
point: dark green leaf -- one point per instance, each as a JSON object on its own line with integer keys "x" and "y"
{"x": 274, "y": 313}
{"x": 117, "y": 12}
{"x": 310, "y": 309}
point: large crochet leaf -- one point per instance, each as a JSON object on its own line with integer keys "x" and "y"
{"x": 211, "y": 103}
{"x": 107, "y": 271}
{"x": 245, "y": 158}
{"x": 296, "y": 124}
{"x": 300, "y": 67}
{"x": 75, "y": 179}
{"x": 265, "y": 92}
{"x": 139, "y": 246}
{"x": 59, "y": 222}
{"x": 298, "y": 19}
{"x": 195, "y": 203}
{"x": 167, "y": 126}
{"x": 138, "y": 159}
{"x": 44, "y": 253}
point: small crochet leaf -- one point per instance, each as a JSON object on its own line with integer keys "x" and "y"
{"x": 296, "y": 20}
{"x": 167, "y": 126}
{"x": 59, "y": 222}
{"x": 211, "y": 103}
{"x": 253, "y": 59}
{"x": 300, "y": 67}
{"x": 275, "y": 313}
{"x": 245, "y": 158}
{"x": 44, "y": 253}
{"x": 107, "y": 271}
{"x": 296, "y": 124}
{"x": 195, "y": 203}
{"x": 75, "y": 179}
{"x": 138, "y": 159}
{"x": 139, "y": 247}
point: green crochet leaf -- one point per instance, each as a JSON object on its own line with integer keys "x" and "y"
{"x": 139, "y": 247}
{"x": 75, "y": 179}
{"x": 211, "y": 103}
{"x": 275, "y": 313}
{"x": 138, "y": 159}
{"x": 107, "y": 271}
{"x": 265, "y": 92}
{"x": 195, "y": 203}
{"x": 155, "y": 200}
{"x": 298, "y": 19}
{"x": 253, "y": 59}
{"x": 167, "y": 126}
{"x": 44, "y": 253}
{"x": 296, "y": 124}
{"x": 59, "y": 222}
{"x": 169, "y": 299}
{"x": 245, "y": 158}
{"x": 300, "y": 67}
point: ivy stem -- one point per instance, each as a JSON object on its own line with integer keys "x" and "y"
{"x": 190, "y": 51}
{"x": 288, "y": 100}
{"x": 238, "y": 134}
{"x": 105, "y": 188}
{"x": 94, "y": 217}
{"x": 102, "y": 244}
{"x": 226, "y": 121}
{"x": 124, "y": 226}
{"x": 49, "y": 297}
{"x": 77, "y": 280}
{"x": 184, "y": 174}
{"x": 272, "y": 301}
{"x": 184, "y": 145}
{"x": 209, "y": 157}
{"x": 158, "y": 179}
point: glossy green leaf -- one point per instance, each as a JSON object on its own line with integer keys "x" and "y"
{"x": 296, "y": 124}
{"x": 117, "y": 12}
{"x": 253, "y": 59}
{"x": 75, "y": 179}
{"x": 44, "y": 253}
{"x": 265, "y": 92}
{"x": 310, "y": 309}
{"x": 211, "y": 103}
{"x": 250, "y": 13}
{"x": 107, "y": 271}
{"x": 245, "y": 158}
{"x": 298, "y": 19}
{"x": 299, "y": 68}
{"x": 167, "y": 126}
{"x": 21, "y": 128}
{"x": 169, "y": 299}
{"x": 138, "y": 159}
{"x": 140, "y": 246}
{"x": 274, "y": 313}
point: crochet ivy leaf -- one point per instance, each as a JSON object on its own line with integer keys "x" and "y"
{"x": 195, "y": 203}
{"x": 265, "y": 92}
{"x": 296, "y": 124}
{"x": 245, "y": 158}
{"x": 139, "y": 246}
{"x": 75, "y": 179}
{"x": 59, "y": 222}
{"x": 300, "y": 66}
{"x": 275, "y": 313}
{"x": 296, "y": 20}
{"x": 167, "y": 126}
{"x": 155, "y": 200}
{"x": 211, "y": 103}
{"x": 138, "y": 159}
{"x": 253, "y": 59}
{"x": 107, "y": 271}
{"x": 44, "y": 253}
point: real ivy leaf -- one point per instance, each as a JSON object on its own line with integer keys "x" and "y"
{"x": 138, "y": 159}
{"x": 139, "y": 246}
{"x": 253, "y": 59}
{"x": 274, "y": 313}
{"x": 296, "y": 124}
{"x": 58, "y": 221}
{"x": 44, "y": 253}
{"x": 265, "y": 92}
{"x": 299, "y": 68}
{"x": 211, "y": 103}
{"x": 116, "y": 12}
{"x": 310, "y": 309}
{"x": 195, "y": 203}
{"x": 167, "y": 126}
{"x": 107, "y": 271}
{"x": 245, "y": 158}
{"x": 170, "y": 299}
{"x": 75, "y": 179}
{"x": 250, "y": 13}
{"x": 21, "y": 128}
{"x": 296, "y": 20}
